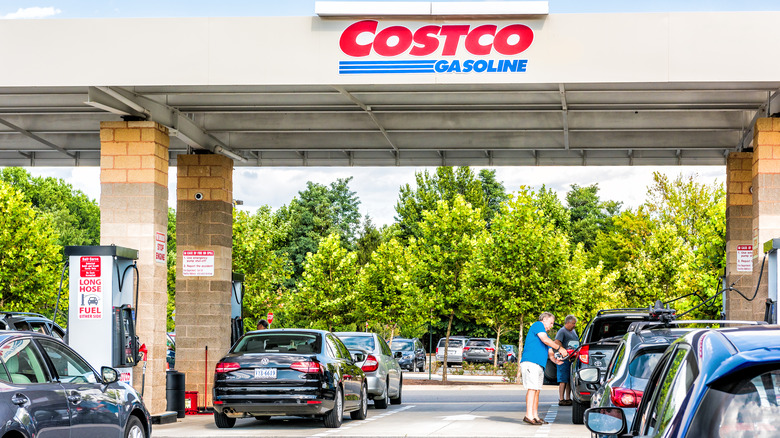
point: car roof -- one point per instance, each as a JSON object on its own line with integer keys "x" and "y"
{"x": 289, "y": 330}
{"x": 753, "y": 338}
{"x": 662, "y": 335}
{"x": 366, "y": 334}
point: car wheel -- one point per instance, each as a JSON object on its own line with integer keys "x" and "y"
{"x": 223, "y": 421}
{"x": 334, "y": 418}
{"x": 397, "y": 400}
{"x": 134, "y": 428}
{"x": 381, "y": 401}
{"x": 361, "y": 413}
{"x": 578, "y": 412}
{"x": 421, "y": 368}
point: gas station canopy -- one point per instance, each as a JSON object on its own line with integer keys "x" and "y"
{"x": 567, "y": 89}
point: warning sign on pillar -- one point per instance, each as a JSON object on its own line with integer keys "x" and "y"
{"x": 160, "y": 247}
{"x": 90, "y": 288}
{"x": 197, "y": 263}
{"x": 744, "y": 258}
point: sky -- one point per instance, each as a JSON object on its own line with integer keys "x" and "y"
{"x": 377, "y": 188}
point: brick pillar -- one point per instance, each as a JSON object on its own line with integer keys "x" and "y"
{"x": 204, "y": 222}
{"x": 739, "y": 228}
{"x": 766, "y": 202}
{"x": 133, "y": 206}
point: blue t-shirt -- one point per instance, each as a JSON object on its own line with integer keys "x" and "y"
{"x": 534, "y": 350}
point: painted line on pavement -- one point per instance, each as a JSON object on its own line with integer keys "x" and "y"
{"x": 544, "y": 430}
{"x": 357, "y": 423}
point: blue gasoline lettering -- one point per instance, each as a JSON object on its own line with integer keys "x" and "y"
{"x": 481, "y": 66}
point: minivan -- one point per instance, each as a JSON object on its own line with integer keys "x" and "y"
{"x": 454, "y": 352}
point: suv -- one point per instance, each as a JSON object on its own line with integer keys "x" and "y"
{"x": 483, "y": 350}
{"x": 599, "y": 342}
{"x": 30, "y": 322}
{"x": 454, "y": 350}
{"x": 409, "y": 352}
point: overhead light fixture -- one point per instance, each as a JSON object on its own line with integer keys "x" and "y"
{"x": 228, "y": 153}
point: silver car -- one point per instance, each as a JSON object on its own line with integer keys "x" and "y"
{"x": 383, "y": 374}
{"x": 454, "y": 351}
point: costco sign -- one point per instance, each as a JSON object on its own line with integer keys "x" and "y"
{"x": 427, "y": 45}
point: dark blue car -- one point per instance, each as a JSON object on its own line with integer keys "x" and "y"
{"x": 48, "y": 390}
{"x": 709, "y": 383}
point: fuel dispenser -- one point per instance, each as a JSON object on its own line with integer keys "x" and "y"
{"x": 771, "y": 312}
{"x": 237, "y": 308}
{"x": 103, "y": 294}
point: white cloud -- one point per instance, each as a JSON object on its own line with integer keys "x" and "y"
{"x": 34, "y": 12}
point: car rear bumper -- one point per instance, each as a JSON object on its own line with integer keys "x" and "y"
{"x": 275, "y": 408}
{"x": 376, "y": 385}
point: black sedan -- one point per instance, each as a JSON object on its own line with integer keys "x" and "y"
{"x": 285, "y": 372}
{"x": 47, "y": 389}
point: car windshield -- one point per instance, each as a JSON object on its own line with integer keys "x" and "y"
{"x": 478, "y": 343}
{"x": 299, "y": 343}
{"x": 454, "y": 343}
{"x": 402, "y": 346}
{"x": 359, "y": 342}
{"x": 607, "y": 328}
{"x": 746, "y": 408}
{"x": 642, "y": 364}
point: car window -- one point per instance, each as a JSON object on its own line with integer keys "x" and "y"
{"x": 478, "y": 343}
{"x": 607, "y": 328}
{"x": 454, "y": 343}
{"x": 616, "y": 360}
{"x": 22, "y": 326}
{"x": 38, "y": 327}
{"x": 57, "y": 333}
{"x": 23, "y": 362}
{"x": 743, "y": 406}
{"x": 331, "y": 349}
{"x": 358, "y": 342}
{"x": 385, "y": 348}
{"x": 69, "y": 367}
{"x": 642, "y": 364}
{"x": 299, "y": 343}
{"x": 402, "y": 346}
{"x": 675, "y": 385}
{"x": 342, "y": 349}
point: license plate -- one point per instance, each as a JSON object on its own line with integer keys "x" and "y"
{"x": 265, "y": 373}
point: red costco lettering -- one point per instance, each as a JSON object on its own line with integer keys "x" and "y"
{"x": 396, "y": 40}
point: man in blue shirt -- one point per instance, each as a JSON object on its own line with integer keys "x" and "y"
{"x": 535, "y": 355}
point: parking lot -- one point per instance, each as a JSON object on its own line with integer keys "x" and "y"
{"x": 489, "y": 410}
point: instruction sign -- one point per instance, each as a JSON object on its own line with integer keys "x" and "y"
{"x": 198, "y": 263}
{"x": 90, "y": 288}
{"x": 744, "y": 258}
{"x": 160, "y": 247}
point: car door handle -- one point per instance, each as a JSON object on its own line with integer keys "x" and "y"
{"x": 19, "y": 399}
{"x": 74, "y": 398}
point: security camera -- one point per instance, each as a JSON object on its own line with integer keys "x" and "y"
{"x": 198, "y": 196}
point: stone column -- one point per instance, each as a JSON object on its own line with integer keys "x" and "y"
{"x": 204, "y": 222}
{"x": 766, "y": 204}
{"x": 133, "y": 207}
{"x": 739, "y": 227}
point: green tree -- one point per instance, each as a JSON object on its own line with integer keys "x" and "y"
{"x": 171, "y": 262}
{"x": 589, "y": 215}
{"x": 256, "y": 255}
{"x": 369, "y": 240}
{"x": 493, "y": 192}
{"x": 327, "y": 289}
{"x": 447, "y": 240}
{"x": 30, "y": 258}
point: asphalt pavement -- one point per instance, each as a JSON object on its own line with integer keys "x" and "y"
{"x": 430, "y": 410}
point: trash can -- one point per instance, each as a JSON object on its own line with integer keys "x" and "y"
{"x": 174, "y": 392}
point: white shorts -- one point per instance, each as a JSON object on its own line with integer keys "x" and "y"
{"x": 533, "y": 375}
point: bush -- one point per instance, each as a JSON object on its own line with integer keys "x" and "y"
{"x": 510, "y": 372}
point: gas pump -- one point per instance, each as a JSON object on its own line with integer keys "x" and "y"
{"x": 771, "y": 312}
{"x": 237, "y": 308}
{"x": 103, "y": 294}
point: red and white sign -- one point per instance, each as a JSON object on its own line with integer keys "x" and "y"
{"x": 270, "y": 317}
{"x": 160, "y": 247}
{"x": 744, "y": 258}
{"x": 89, "y": 266}
{"x": 197, "y": 263}
{"x": 364, "y": 38}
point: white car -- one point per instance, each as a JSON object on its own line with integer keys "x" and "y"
{"x": 383, "y": 374}
{"x": 454, "y": 351}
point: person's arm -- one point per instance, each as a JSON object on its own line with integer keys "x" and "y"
{"x": 552, "y": 357}
{"x": 550, "y": 343}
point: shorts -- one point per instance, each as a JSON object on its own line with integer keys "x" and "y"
{"x": 564, "y": 372}
{"x": 533, "y": 375}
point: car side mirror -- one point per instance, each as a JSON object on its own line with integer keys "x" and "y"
{"x": 607, "y": 421}
{"x": 589, "y": 375}
{"x": 398, "y": 355}
{"x": 109, "y": 375}
{"x": 358, "y": 356}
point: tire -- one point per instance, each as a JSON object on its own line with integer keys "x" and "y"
{"x": 223, "y": 421}
{"x": 578, "y": 412}
{"x": 421, "y": 368}
{"x": 362, "y": 412}
{"x": 381, "y": 403}
{"x": 134, "y": 428}
{"x": 397, "y": 400}
{"x": 334, "y": 418}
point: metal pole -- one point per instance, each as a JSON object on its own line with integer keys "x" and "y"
{"x": 430, "y": 349}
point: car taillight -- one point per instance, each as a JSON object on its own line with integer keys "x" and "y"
{"x": 584, "y": 354}
{"x": 226, "y": 367}
{"x": 490, "y": 350}
{"x": 466, "y": 348}
{"x": 309, "y": 367}
{"x": 626, "y": 398}
{"x": 371, "y": 364}
{"x": 437, "y": 350}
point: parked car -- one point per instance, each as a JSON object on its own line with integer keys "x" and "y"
{"x": 483, "y": 350}
{"x": 30, "y": 322}
{"x": 47, "y": 389}
{"x": 297, "y": 372}
{"x": 454, "y": 350}
{"x": 410, "y": 353}
{"x": 708, "y": 383}
{"x": 384, "y": 376}
{"x": 598, "y": 343}
{"x": 511, "y": 352}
